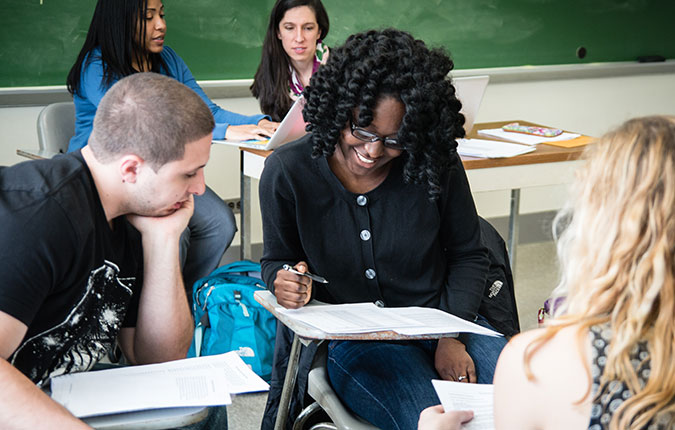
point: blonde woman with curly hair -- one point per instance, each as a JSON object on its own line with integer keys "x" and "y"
{"x": 607, "y": 359}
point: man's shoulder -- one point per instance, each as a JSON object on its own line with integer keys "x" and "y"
{"x": 64, "y": 179}
{"x": 41, "y": 176}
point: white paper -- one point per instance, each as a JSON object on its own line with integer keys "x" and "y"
{"x": 202, "y": 381}
{"x": 348, "y": 318}
{"x": 527, "y": 139}
{"x": 490, "y": 148}
{"x": 435, "y": 321}
{"x": 460, "y": 396}
{"x": 367, "y": 318}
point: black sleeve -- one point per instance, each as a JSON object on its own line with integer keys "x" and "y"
{"x": 281, "y": 239}
{"x": 467, "y": 257}
{"x": 135, "y": 259}
{"x": 36, "y": 255}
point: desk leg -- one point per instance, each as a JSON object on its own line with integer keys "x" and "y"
{"x": 289, "y": 384}
{"x": 513, "y": 227}
{"x": 245, "y": 211}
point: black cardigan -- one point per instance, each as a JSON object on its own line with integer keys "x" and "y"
{"x": 391, "y": 244}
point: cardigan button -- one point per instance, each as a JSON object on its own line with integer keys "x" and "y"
{"x": 379, "y": 304}
{"x": 365, "y": 235}
{"x": 362, "y": 200}
{"x": 370, "y": 274}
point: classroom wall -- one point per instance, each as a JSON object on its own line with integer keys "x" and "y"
{"x": 587, "y": 105}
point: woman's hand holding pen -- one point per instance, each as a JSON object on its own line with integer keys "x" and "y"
{"x": 291, "y": 290}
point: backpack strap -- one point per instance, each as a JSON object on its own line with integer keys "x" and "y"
{"x": 244, "y": 267}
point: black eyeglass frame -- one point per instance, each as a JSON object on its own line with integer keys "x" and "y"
{"x": 368, "y": 136}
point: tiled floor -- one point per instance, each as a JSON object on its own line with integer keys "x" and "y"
{"x": 535, "y": 276}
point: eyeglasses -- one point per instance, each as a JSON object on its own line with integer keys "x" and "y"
{"x": 367, "y": 136}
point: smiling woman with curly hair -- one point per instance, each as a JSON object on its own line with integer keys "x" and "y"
{"x": 376, "y": 200}
{"x": 390, "y": 63}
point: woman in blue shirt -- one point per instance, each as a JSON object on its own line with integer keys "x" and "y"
{"x": 122, "y": 41}
{"x": 126, "y": 38}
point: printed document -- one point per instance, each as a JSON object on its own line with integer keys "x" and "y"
{"x": 491, "y": 148}
{"x": 460, "y": 396}
{"x": 367, "y": 318}
{"x": 201, "y": 381}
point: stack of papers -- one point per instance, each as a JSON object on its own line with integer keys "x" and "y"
{"x": 490, "y": 148}
{"x": 527, "y": 139}
{"x": 460, "y": 396}
{"x": 368, "y": 318}
{"x": 202, "y": 381}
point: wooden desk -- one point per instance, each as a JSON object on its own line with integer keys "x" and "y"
{"x": 547, "y": 165}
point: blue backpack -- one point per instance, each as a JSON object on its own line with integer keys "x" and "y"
{"x": 228, "y": 318}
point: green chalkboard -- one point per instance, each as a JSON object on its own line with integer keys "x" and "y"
{"x": 221, "y": 39}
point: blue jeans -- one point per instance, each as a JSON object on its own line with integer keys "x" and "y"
{"x": 207, "y": 236}
{"x": 388, "y": 383}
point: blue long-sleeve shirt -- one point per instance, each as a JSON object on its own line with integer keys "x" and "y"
{"x": 92, "y": 91}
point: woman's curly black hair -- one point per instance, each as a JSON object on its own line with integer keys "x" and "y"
{"x": 389, "y": 62}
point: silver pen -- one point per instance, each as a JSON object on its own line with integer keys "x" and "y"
{"x": 311, "y": 276}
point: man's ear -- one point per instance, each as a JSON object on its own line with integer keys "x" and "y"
{"x": 130, "y": 167}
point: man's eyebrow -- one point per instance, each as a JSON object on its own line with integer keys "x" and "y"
{"x": 197, "y": 168}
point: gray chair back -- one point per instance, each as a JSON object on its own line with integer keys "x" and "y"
{"x": 55, "y": 127}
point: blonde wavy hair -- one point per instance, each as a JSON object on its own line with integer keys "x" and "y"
{"x": 617, "y": 254}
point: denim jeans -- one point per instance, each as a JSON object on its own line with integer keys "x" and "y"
{"x": 388, "y": 383}
{"x": 207, "y": 236}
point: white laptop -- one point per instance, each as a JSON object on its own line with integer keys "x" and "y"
{"x": 291, "y": 128}
{"x": 469, "y": 91}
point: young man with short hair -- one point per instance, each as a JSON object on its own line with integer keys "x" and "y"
{"x": 90, "y": 246}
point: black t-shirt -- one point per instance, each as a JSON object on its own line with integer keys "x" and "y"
{"x": 66, "y": 274}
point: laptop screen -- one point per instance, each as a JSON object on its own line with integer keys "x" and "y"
{"x": 470, "y": 92}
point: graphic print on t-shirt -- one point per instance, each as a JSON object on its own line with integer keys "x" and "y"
{"x": 87, "y": 333}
